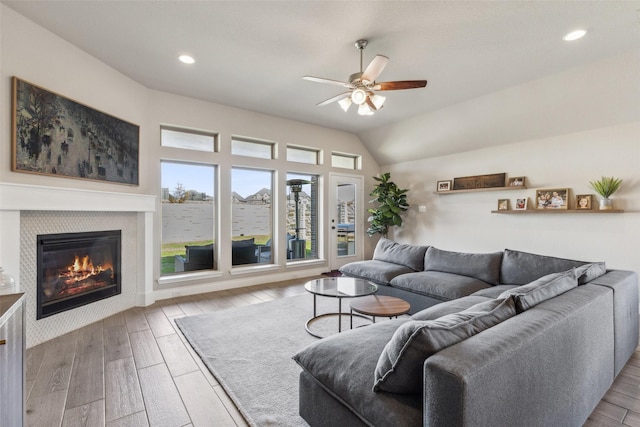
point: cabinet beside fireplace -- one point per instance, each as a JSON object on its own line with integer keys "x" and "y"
{"x": 12, "y": 350}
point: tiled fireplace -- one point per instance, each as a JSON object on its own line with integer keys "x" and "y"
{"x": 29, "y": 212}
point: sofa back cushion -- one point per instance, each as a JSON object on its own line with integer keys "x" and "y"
{"x": 540, "y": 290}
{"x": 408, "y": 255}
{"x": 485, "y": 267}
{"x": 520, "y": 268}
{"x": 399, "y": 368}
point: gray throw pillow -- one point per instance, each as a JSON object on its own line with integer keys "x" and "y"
{"x": 399, "y": 368}
{"x": 588, "y": 272}
{"x": 547, "y": 287}
{"x": 408, "y": 255}
{"x": 485, "y": 267}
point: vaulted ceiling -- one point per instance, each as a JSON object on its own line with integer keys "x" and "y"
{"x": 253, "y": 54}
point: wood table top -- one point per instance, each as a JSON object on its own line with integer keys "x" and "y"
{"x": 380, "y": 305}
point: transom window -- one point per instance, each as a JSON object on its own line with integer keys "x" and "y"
{"x": 188, "y": 139}
{"x": 345, "y": 161}
{"x": 252, "y": 148}
{"x": 303, "y": 155}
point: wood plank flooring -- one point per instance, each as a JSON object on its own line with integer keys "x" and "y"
{"x": 136, "y": 369}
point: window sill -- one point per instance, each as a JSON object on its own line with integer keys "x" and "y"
{"x": 306, "y": 263}
{"x": 253, "y": 268}
{"x": 188, "y": 277}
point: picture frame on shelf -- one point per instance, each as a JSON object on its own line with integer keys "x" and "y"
{"x": 503, "y": 204}
{"x": 517, "y": 181}
{"x": 56, "y": 136}
{"x": 552, "y": 198}
{"x": 521, "y": 204}
{"x": 443, "y": 186}
{"x": 584, "y": 201}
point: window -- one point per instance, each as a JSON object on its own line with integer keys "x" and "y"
{"x": 252, "y": 148}
{"x": 302, "y": 216}
{"x": 303, "y": 155}
{"x": 251, "y": 216}
{"x": 188, "y": 139}
{"x": 188, "y": 225}
{"x": 345, "y": 161}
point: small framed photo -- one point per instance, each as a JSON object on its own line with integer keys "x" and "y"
{"x": 516, "y": 181}
{"x": 583, "y": 201}
{"x": 443, "y": 186}
{"x": 503, "y": 204}
{"x": 521, "y": 204}
{"x": 552, "y": 198}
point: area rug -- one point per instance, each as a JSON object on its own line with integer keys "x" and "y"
{"x": 248, "y": 350}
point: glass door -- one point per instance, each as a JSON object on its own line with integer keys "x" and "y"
{"x": 345, "y": 219}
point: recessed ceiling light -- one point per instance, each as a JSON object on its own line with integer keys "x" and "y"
{"x": 186, "y": 59}
{"x": 574, "y": 35}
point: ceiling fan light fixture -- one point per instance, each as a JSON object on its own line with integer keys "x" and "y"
{"x": 359, "y": 96}
{"x": 345, "y": 103}
{"x": 378, "y": 101}
{"x": 365, "y": 110}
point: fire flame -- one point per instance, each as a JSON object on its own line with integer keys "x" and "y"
{"x": 81, "y": 269}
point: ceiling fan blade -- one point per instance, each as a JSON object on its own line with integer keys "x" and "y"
{"x": 405, "y": 84}
{"x": 374, "y": 68}
{"x": 329, "y": 81}
{"x": 334, "y": 99}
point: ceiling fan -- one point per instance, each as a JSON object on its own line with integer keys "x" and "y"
{"x": 363, "y": 84}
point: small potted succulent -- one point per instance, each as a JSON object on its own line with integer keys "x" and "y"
{"x": 605, "y": 187}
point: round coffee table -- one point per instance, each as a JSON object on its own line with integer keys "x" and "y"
{"x": 380, "y": 306}
{"x": 337, "y": 287}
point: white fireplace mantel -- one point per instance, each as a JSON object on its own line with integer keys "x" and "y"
{"x": 20, "y": 197}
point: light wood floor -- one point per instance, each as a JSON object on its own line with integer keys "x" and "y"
{"x": 136, "y": 369}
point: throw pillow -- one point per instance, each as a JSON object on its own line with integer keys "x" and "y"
{"x": 547, "y": 287}
{"x": 408, "y": 255}
{"x": 399, "y": 368}
{"x": 588, "y": 272}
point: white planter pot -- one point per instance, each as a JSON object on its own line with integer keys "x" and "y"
{"x": 606, "y": 204}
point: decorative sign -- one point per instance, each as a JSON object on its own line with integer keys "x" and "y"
{"x": 479, "y": 181}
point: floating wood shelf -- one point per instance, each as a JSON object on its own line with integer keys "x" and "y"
{"x": 474, "y": 190}
{"x": 559, "y": 211}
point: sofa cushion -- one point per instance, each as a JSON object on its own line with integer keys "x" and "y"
{"x": 379, "y": 272}
{"x": 399, "y": 368}
{"x": 588, "y": 272}
{"x": 242, "y": 243}
{"x": 520, "y": 268}
{"x": 438, "y": 285}
{"x": 540, "y": 290}
{"x": 485, "y": 267}
{"x": 344, "y": 365}
{"x": 411, "y": 256}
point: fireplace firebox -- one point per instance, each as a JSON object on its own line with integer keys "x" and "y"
{"x": 75, "y": 269}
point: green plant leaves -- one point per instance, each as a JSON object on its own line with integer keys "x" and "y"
{"x": 606, "y": 186}
{"x": 392, "y": 202}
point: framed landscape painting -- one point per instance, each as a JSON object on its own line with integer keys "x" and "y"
{"x": 53, "y": 135}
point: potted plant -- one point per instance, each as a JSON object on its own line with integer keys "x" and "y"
{"x": 392, "y": 202}
{"x": 605, "y": 187}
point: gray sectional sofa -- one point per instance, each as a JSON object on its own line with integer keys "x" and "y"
{"x": 502, "y": 339}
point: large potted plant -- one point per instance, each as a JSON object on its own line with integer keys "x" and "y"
{"x": 392, "y": 202}
{"x": 605, "y": 187}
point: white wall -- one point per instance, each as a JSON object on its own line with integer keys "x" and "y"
{"x": 33, "y": 54}
{"x": 463, "y": 221}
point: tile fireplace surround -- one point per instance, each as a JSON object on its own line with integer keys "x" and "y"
{"x": 26, "y": 211}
